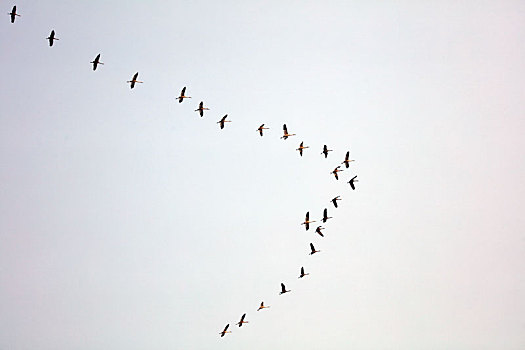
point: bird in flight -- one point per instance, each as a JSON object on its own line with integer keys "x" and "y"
{"x": 52, "y": 38}
{"x": 335, "y": 199}
{"x": 13, "y": 14}
{"x": 242, "y": 320}
{"x": 182, "y": 96}
{"x": 201, "y": 109}
{"x": 325, "y": 215}
{"x": 302, "y": 273}
{"x": 224, "y": 331}
{"x": 347, "y": 160}
{"x": 286, "y": 134}
{"x": 312, "y": 248}
{"x": 318, "y": 230}
{"x": 96, "y": 62}
{"x": 300, "y": 149}
{"x": 134, "y": 80}
{"x": 223, "y": 120}
{"x": 325, "y": 151}
{"x": 261, "y": 128}
{"x": 351, "y": 182}
{"x": 262, "y": 306}
{"x": 307, "y": 221}
{"x": 283, "y": 289}
{"x": 335, "y": 171}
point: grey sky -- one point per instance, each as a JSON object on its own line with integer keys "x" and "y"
{"x": 128, "y": 222}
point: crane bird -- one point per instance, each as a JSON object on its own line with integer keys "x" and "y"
{"x": 335, "y": 171}
{"x": 347, "y": 160}
{"x": 325, "y": 215}
{"x": 182, "y": 96}
{"x": 13, "y": 14}
{"x": 96, "y": 62}
{"x": 224, "y": 331}
{"x": 51, "y": 38}
{"x": 134, "y": 80}
{"x": 307, "y": 221}
{"x": 201, "y": 109}
{"x": 325, "y": 151}
{"x": 286, "y": 134}
{"x": 302, "y": 273}
{"x": 313, "y": 251}
{"x": 223, "y": 120}
{"x": 261, "y": 128}
{"x": 300, "y": 149}
{"x": 283, "y": 289}
{"x": 351, "y": 182}
{"x": 242, "y": 320}
{"x": 262, "y": 306}
{"x": 318, "y": 230}
{"x": 335, "y": 199}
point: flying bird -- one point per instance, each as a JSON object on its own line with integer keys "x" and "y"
{"x": 182, "y": 96}
{"x": 13, "y": 14}
{"x": 325, "y": 215}
{"x": 201, "y": 109}
{"x": 318, "y": 230}
{"x": 96, "y": 62}
{"x": 261, "y": 128}
{"x": 351, "y": 182}
{"x": 300, "y": 149}
{"x": 242, "y": 320}
{"x": 51, "y": 38}
{"x": 262, "y": 306}
{"x": 302, "y": 273}
{"x": 335, "y": 171}
{"x": 307, "y": 221}
{"x": 347, "y": 160}
{"x": 283, "y": 289}
{"x": 286, "y": 134}
{"x": 334, "y": 200}
{"x": 325, "y": 151}
{"x": 224, "y": 331}
{"x": 223, "y": 120}
{"x": 134, "y": 80}
{"x": 313, "y": 251}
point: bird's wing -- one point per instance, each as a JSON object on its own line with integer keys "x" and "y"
{"x": 283, "y": 288}
{"x": 285, "y": 129}
{"x": 136, "y": 76}
{"x": 302, "y": 270}
{"x": 242, "y": 317}
{"x": 347, "y": 157}
{"x": 325, "y": 212}
{"x": 183, "y": 91}
{"x": 225, "y": 328}
{"x": 312, "y": 247}
{"x": 307, "y": 216}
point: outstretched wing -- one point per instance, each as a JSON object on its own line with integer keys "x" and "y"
{"x": 283, "y": 288}
{"x": 312, "y": 247}
{"x": 285, "y": 129}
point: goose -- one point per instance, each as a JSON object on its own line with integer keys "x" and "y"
{"x": 351, "y": 182}
{"x": 201, "y": 109}
{"x": 334, "y": 200}
{"x": 261, "y": 128}
{"x": 325, "y": 151}
{"x": 223, "y": 120}
{"x": 307, "y": 221}
{"x": 302, "y": 273}
{"x": 262, "y": 306}
{"x": 347, "y": 160}
{"x": 182, "y": 96}
{"x": 286, "y": 134}
{"x": 325, "y": 215}
{"x": 283, "y": 289}
{"x": 13, "y": 14}
{"x": 318, "y": 230}
{"x": 96, "y": 62}
{"x": 134, "y": 80}
{"x": 313, "y": 251}
{"x": 224, "y": 331}
{"x": 51, "y": 38}
{"x": 335, "y": 171}
{"x": 242, "y": 320}
{"x": 300, "y": 149}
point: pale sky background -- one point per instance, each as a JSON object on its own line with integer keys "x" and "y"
{"x": 128, "y": 222}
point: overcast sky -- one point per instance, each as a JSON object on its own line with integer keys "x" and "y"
{"x": 129, "y": 222}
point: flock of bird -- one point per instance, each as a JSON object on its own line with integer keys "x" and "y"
{"x": 201, "y": 108}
